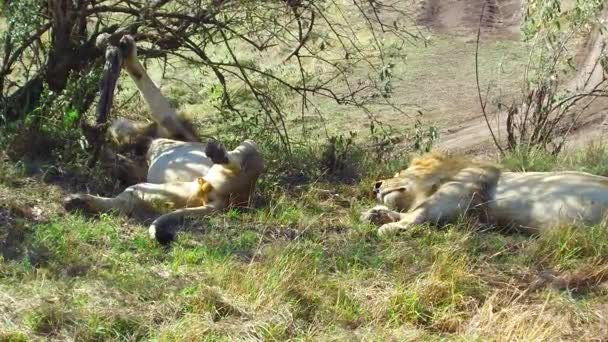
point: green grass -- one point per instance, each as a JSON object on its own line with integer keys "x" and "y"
{"x": 593, "y": 159}
{"x": 302, "y": 267}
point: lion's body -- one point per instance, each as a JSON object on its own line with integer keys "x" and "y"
{"x": 543, "y": 200}
{"x": 176, "y": 161}
{"x": 438, "y": 189}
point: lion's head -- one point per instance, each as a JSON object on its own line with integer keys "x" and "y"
{"x": 234, "y": 173}
{"x": 409, "y": 187}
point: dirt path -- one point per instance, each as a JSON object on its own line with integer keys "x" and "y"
{"x": 462, "y": 18}
{"x": 500, "y": 17}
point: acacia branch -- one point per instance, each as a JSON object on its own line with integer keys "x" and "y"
{"x": 303, "y": 38}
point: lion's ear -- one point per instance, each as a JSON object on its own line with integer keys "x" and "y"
{"x": 216, "y": 152}
{"x": 377, "y": 186}
{"x": 434, "y": 188}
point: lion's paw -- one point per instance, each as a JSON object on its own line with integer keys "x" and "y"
{"x": 128, "y": 47}
{"x": 392, "y": 228}
{"x": 379, "y": 215}
{"x": 75, "y": 202}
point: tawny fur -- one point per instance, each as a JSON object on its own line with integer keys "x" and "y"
{"x": 437, "y": 188}
{"x": 182, "y": 182}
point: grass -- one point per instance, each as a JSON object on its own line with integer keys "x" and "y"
{"x": 591, "y": 159}
{"x": 301, "y": 267}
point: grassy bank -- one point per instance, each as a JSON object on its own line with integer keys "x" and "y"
{"x": 298, "y": 266}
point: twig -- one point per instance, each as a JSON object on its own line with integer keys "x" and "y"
{"x": 9, "y": 61}
{"x": 302, "y": 37}
{"x": 481, "y": 102}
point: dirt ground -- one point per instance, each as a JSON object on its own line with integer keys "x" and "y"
{"x": 500, "y": 22}
{"x": 500, "y": 17}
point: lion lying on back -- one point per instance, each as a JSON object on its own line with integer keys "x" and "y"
{"x": 182, "y": 178}
{"x": 438, "y": 189}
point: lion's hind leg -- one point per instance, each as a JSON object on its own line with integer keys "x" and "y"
{"x": 139, "y": 199}
{"x": 244, "y": 157}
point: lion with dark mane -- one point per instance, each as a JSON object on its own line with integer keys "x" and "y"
{"x": 437, "y": 189}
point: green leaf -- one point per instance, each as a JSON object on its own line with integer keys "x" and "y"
{"x": 70, "y": 117}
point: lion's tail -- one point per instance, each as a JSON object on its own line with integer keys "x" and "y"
{"x": 164, "y": 228}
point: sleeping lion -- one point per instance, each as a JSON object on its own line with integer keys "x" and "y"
{"x": 437, "y": 189}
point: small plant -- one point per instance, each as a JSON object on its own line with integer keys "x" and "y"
{"x": 51, "y": 130}
{"x": 339, "y": 159}
{"x": 386, "y": 77}
{"x": 549, "y": 109}
{"x": 529, "y": 160}
{"x": 10, "y": 336}
{"x": 47, "y": 319}
{"x": 424, "y": 138}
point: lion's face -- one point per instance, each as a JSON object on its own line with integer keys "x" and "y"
{"x": 395, "y": 193}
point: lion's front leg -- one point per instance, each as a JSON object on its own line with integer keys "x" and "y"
{"x": 406, "y": 221}
{"x": 445, "y": 205}
{"x": 130, "y": 201}
{"x": 390, "y": 222}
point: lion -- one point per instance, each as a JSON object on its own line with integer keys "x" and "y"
{"x": 168, "y": 123}
{"x": 183, "y": 178}
{"x": 438, "y": 189}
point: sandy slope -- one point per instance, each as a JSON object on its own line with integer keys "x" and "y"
{"x": 501, "y": 21}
